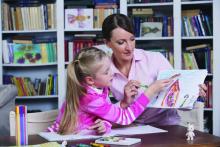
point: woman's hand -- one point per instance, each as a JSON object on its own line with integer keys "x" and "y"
{"x": 99, "y": 126}
{"x": 130, "y": 91}
{"x": 202, "y": 90}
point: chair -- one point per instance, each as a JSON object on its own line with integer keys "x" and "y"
{"x": 36, "y": 122}
{"x": 194, "y": 116}
{"x": 7, "y": 103}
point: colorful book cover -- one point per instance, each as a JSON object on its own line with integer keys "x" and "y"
{"x": 182, "y": 92}
{"x": 27, "y": 53}
{"x": 79, "y": 18}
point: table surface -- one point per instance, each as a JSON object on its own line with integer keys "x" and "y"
{"x": 174, "y": 137}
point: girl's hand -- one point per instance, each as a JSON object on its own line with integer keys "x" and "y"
{"x": 202, "y": 90}
{"x": 158, "y": 85}
{"x": 99, "y": 126}
{"x": 130, "y": 91}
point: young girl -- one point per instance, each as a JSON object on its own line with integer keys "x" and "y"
{"x": 88, "y": 79}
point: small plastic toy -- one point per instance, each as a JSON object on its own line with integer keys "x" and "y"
{"x": 190, "y": 134}
{"x": 64, "y": 143}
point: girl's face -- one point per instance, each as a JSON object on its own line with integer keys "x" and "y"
{"x": 103, "y": 76}
{"x": 122, "y": 43}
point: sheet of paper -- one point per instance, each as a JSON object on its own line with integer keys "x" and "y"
{"x": 146, "y": 129}
{"x": 52, "y": 136}
{"x": 182, "y": 92}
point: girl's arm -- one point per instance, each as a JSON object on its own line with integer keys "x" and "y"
{"x": 124, "y": 116}
{"x": 110, "y": 112}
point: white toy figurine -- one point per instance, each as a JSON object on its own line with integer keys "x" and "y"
{"x": 190, "y": 134}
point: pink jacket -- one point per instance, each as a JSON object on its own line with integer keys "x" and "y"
{"x": 96, "y": 105}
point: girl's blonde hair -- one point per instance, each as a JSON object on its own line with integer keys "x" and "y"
{"x": 86, "y": 63}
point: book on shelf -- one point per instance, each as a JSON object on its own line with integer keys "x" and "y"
{"x": 198, "y": 46}
{"x": 196, "y": 23}
{"x": 39, "y": 86}
{"x": 189, "y": 61}
{"x": 81, "y": 18}
{"x": 100, "y": 13}
{"x": 167, "y": 53}
{"x": 78, "y": 3}
{"x": 72, "y": 47}
{"x": 29, "y": 16}
{"x": 29, "y": 52}
{"x": 96, "y": 2}
{"x": 142, "y": 11}
{"x": 198, "y": 57}
{"x": 209, "y": 100}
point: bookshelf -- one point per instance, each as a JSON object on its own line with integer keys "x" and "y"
{"x": 179, "y": 42}
{"x": 173, "y": 43}
{"x": 73, "y": 37}
{"x": 56, "y": 30}
{"x": 29, "y": 29}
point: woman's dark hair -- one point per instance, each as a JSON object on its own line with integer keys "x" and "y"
{"x": 116, "y": 21}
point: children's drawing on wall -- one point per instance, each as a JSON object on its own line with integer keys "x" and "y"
{"x": 79, "y": 18}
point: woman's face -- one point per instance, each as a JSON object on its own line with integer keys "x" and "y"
{"x": 122, "y": 43}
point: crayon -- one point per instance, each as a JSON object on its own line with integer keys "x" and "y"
{"x": 82, "y": 145}
{"x": 97, "y": 145}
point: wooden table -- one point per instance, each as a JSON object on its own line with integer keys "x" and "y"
{"x": 174, "y": 137}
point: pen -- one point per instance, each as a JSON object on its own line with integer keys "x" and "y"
{"x": 143, "y": 86}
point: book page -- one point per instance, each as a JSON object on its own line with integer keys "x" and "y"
{"x": 182, "y": 92}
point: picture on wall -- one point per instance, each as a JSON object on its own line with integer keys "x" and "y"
{"x": 151, "y": 29}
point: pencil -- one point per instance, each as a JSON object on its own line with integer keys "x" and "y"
{"x": 143, "y": 86}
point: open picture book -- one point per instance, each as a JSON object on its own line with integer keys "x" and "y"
{"x": 182, "y": 92}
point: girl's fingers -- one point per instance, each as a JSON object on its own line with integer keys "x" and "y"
{"x": 98, "y": 121}
{"x": 174, "y": 76}
{"x": 92, "y": 127}
{"x": 96, "y": 124}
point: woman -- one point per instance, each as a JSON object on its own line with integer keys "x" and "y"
{"x": 132, "y": 66}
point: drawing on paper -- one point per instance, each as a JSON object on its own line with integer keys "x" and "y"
{"x": 171, "y": 95}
